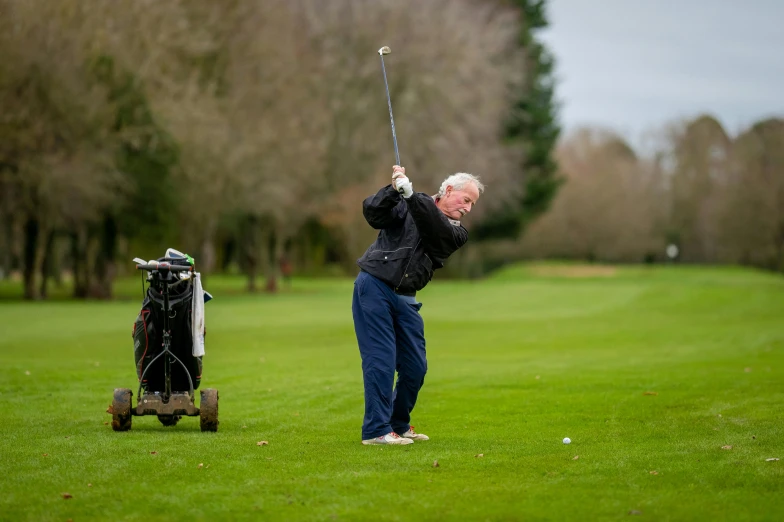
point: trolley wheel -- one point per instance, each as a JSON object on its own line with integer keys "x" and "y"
{"x": 121, "y": 409}
{"x": 208, "y": 410}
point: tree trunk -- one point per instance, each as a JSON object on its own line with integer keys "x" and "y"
{"x": 6, "y": 247}
{"x": 780, "y": 250}
{"x": 229, "y": 252}
{"x": 79, "y": 260}
{"x": 105, "y": 260}
{"x": 32, "y": 230}
{"x": 276, "y": 242}
{"x": 47, "y": 263}
{"x": 207, "y": 258}
{"x": 267, "y": 263}
{"x": 250, "y": 247}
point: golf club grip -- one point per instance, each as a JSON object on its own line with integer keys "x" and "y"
{"x": 165, "y": 266}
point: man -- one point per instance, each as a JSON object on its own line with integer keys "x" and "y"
{"x": 417, "y": 233}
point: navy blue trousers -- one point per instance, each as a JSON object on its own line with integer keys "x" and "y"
{"x": 391, "y": 337}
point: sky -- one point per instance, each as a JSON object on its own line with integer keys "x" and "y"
{"x": 634, "y": 65}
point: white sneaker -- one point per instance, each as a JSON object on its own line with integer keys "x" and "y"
{"x": 412, "y": 435}
{"x": 389, "y": 438}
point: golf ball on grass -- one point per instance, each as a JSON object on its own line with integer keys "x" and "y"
{"x": 567, "y": 440}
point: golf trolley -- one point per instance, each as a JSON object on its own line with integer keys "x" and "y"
{"x": 164, "y": 375}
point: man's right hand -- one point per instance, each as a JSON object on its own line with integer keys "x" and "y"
{"x": 398, "y": 172}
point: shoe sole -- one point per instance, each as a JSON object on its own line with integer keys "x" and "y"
{"x": 369, "y": 443}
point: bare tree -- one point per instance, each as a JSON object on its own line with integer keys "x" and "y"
{"x": 753, "y": 213}
{"x": 608, "y": 208}
{"x": 56, "y": 125}
{"x": 451, "y": 73}
{"x": 277, "y": 109}
{"x": 701, "y": 152}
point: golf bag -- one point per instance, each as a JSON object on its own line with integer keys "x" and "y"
{"x": 148, "y": 338}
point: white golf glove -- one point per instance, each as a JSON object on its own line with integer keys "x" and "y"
{"x": 404, "y": 186}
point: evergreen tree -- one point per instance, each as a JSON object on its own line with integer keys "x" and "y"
{"x": 532, "y": 125}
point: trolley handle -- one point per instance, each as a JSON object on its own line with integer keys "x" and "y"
{"x": 164, "y": 267}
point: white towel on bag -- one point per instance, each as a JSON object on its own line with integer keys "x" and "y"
{"x": 197, "y": 316}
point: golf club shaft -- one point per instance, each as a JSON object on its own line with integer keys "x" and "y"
{"x": 391, "y": 118}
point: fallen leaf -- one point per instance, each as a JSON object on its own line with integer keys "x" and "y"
{"x": 650, "y": 393}
{"x": 110, "y": 410}
{"x": 635, "y": 512}
{"x": 576, "y": 457}
{"x": 728, "y": 447}
{"x": 153, "y": 453}
{"x": 771, "y": 460}
{"x": 747, "y": 370}
{"x": 479, "y": 456}
{"x": 201, "y": 465}
{"x": 27, "y": 372}
{"x": 89, "y": 485}
{"x": 270, "y": 458}
{"x": 654, "y": 472}
{"x": 67, "y": 496}
{"x": 244, "y": 427}
{"x": 262, "y": 443}
{"x": 435, "y": 463}
{"x": 719, "y": 414}
{"x": 45, "y": 454}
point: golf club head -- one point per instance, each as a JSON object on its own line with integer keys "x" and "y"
{"x": 384, "y": 50}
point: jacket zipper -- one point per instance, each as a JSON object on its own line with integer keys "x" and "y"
{"x": 409, "y": 262}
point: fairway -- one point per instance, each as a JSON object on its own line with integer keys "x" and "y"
{"x": 652, "y": 373}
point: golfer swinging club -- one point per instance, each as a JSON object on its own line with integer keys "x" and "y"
{"x": 417, "y": 233}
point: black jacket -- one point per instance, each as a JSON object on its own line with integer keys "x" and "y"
{"x": 415, "y": 239}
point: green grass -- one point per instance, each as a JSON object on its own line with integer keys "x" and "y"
{"x": 517, "y": 363}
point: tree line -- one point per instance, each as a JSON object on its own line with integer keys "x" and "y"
{"x": 717, "y": 198}
{"x": 244, "y": 131}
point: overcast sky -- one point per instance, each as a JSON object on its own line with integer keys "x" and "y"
{"x": 635, "y": 64}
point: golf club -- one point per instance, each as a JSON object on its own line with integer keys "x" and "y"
{"x": 381, "y": 52}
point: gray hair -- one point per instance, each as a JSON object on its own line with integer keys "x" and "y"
{"x": 459, "y": 181}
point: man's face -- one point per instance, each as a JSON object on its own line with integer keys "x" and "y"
{"x": 457, "y": 203}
